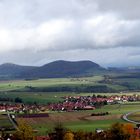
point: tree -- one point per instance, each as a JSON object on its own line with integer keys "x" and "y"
{"x": 68, "y": 136}
{"x": 25, "y": 131}
{"x": 138, "y": 125}
{"x": 128, "y": 130}
{"x": 58, "y": 132}
{"x": 117, "y": 131}
{"x": 18, "y": 100}
{"x": 79, "y": 135}
{"x": 121, "y": 131}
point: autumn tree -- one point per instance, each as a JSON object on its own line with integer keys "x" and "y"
{"x": 121, "y": 131}
{"x": 68, "y": 136}
{"x": 79, "y": 135}
{"x": 128, "y": 130}
{"x": 24, "y": 132}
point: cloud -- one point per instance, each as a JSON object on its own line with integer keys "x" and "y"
{"x": 128, "y": 9}
{"x": 103, "y": 31}
{"x": 108, "y": 31}
{"x": 50, "y": 28}
{"x": 42, "y": 37}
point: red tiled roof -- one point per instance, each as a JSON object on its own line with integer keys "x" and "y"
{"x": 42, "y": 138}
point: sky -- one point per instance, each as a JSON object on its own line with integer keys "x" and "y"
{"x": 36, "y": 32}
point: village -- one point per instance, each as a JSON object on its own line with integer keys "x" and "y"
{"x": 70, "y": 103}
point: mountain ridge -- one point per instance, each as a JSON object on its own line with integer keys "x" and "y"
{"x": 61, "y": 68}
{"x": 55, "y": 69}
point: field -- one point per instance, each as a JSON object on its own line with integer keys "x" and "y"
{"x": 50, "y": 97}
{"x": 4, "y": 122}
{"x": 74, "y": 120}
{"x": 32, "y": 97}
{"x": 135, "y": 116}
{"x": 23, "y": 84}
{"x": 51, "y": 90}
{"x": 82, "y": 120}
{"x": 103, "y": 84}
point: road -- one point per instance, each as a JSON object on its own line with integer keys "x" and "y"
{"x": 125, "y": 117}
{"x": 11, "y": 120}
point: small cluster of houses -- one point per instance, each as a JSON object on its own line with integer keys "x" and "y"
{"x": 22, "y": 108}
{"x": 123, "y": 98}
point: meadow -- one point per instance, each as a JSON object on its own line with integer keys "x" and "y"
{"x": 21, "y": 84}
{"x": 50, "y": 97}
{"x": 99, "y": 83}
{"x": 4, "y": 122}
{"x": 135, "y": 116}
{"x": 82, "y": 120}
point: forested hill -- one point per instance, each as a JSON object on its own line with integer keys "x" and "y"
{"x": 10, "y": 71}
{"x": 54, "y": 69}
{"x": 61, "y": 68}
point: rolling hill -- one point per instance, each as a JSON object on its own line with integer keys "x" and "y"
{"x": 56, "y": 69}
{"x": 9, "y": 70}
{"x": 59, "y": 69}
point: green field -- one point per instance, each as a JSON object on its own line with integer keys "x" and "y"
{"x": 86, "y": 84}
{"x": 47, "y": 97}
{"x": 32, "y": 97}
{"x": 82, "y": 120}
{"x": 42, "y": 97}
{"x": 4, "y": 121}
{"x": 21, "y": 84}
{"x": 135, "y": 116}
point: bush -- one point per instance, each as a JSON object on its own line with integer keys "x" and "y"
{"x": 100, "y": 114}
{"x": 18, "y": 100}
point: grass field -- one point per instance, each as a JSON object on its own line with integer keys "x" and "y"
{"x": 31, "y": 97}
{"x": 4, "y": 121}
{"x": 135, "y": 116}
{"x": 47, "y": 97}
{"x": 82, "y": 120}
{"x": 117, "y": 84}
{"x": 21, "y": 84}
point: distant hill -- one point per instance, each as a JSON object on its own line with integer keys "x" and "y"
{"x": 9, "y": 70}
{"x": 125, "y": 69}
{"x": 62, "y": 68}
{"x": 56, "y": 69}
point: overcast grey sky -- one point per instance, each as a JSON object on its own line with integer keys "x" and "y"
{"x": 35, "y": 32}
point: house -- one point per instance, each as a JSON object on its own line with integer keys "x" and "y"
{"x": 88, "y": 107}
